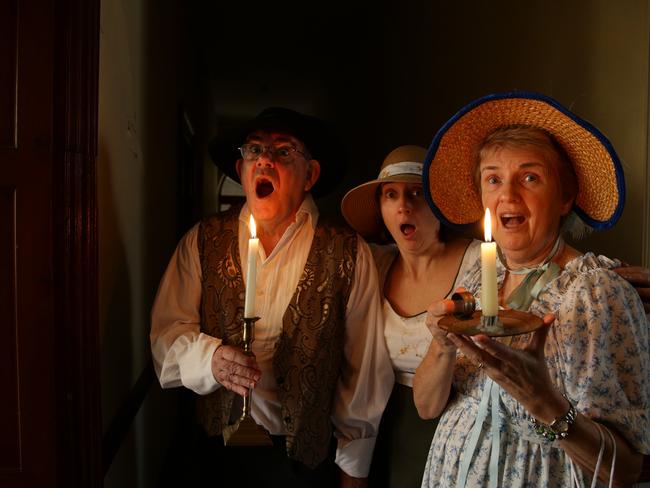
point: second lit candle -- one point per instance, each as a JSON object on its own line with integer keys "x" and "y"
{"x": 489, "y": 292}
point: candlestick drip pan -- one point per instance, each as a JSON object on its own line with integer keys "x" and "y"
{"x": 509, "y": 323}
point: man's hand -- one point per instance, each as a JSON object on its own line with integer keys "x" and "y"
{"x": 639, "y": 278}
{"x": 348, "y": 481}
{"x": 235, "y": 370}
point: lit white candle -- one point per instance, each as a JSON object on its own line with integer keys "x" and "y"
{"x": 251, "y": 272}
{"x": 489, "y": 301}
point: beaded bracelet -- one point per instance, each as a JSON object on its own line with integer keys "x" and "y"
{"x": 559, "y": 428}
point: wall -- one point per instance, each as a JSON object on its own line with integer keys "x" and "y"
{"x": 145, "y": 67}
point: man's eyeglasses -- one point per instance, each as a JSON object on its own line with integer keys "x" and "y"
{"x": 282, "y": 154}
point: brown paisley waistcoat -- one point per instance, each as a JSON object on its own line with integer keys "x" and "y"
{"x": 309, "y": 356}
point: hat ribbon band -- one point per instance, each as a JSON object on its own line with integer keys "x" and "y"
{"x": 404, "y": 167}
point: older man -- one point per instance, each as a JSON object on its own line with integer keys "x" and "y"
{"x": 319, "y": 357}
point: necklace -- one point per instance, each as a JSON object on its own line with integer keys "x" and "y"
{"x": 536, "y": 278}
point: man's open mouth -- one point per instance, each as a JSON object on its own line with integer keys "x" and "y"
{"x": 263, "y": 188}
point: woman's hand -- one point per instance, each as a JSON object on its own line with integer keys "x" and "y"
{"x": 234, "y": 369}
{"x": 521, "y": 372}
{"x": 434, "y": 313}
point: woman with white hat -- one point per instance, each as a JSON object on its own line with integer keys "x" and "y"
{"x": 394, "y": 204}
{"x": 570, "y": 401}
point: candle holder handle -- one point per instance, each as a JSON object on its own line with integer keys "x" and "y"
{"x": 248, "y": 336}
{"x": 464, "y": 304}
{"x": 245, "y": 431}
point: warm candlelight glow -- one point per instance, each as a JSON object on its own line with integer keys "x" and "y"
{"x": 487, "y": 226}
{"x": 252, "y": 227}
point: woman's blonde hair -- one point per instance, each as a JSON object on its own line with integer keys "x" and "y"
{"x": 526, "y": 136}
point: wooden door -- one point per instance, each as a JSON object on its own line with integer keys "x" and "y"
{"x": 49, "y": 411}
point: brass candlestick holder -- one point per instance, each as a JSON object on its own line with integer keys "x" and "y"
{"x": 466, "y": 320}
{"x": 245, "y": 431}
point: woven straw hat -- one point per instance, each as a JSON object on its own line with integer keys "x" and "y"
{"x": 360, "y": 206}
{"x": 448, "y": 184}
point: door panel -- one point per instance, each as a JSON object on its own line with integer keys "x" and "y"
{"x": 10, "y": 449}
{"x": 8, "y": 49}
{"x": 28, "y": 429}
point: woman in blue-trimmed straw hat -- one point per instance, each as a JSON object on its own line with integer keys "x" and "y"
{"x": 554, "y": 406}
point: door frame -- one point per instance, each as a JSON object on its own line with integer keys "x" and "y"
{"x": 74, "y": 159}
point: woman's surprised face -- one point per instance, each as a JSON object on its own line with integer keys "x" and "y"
{"x": 407, "y": 216}
{"x": 521, "y": 187}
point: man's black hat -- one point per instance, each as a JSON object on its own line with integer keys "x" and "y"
{"x": 317, "y": 136}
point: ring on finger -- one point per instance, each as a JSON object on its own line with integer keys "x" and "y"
{"x": 480, "y": 365}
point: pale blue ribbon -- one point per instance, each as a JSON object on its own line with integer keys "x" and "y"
{"x": 528, "y": 290}
{"x": 489, "y": 403}
{"x": 536, "y": 279}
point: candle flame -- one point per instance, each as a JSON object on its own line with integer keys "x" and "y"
{"x": 487, "y": 226}
{"x": 252, "y": 227}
